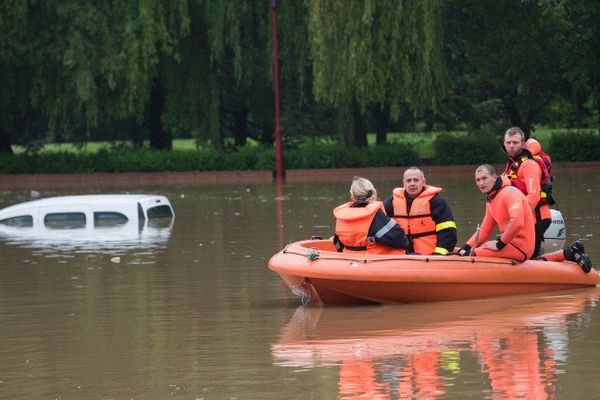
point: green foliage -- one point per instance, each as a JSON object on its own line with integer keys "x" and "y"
{"x": 475, "y": 149}
{"x": 382, "y": 52}
{"x": 245, "y": 158}
{"x": 332, "y": 155}
{"x": 569, "y": 146}
{"x": 505, "y": 52}
{"x": 80, "y": 71}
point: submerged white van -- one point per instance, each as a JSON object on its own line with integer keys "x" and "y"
{"x": 85, "y": 214}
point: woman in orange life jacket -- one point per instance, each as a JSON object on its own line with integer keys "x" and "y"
{"x": 362, "y": 225}
{"x": 527, "y": 171}
{"x": 507, "y": 208}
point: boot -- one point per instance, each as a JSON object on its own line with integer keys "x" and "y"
{"x": 576, "y": 252}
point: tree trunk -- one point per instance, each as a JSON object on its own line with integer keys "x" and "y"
{"x": 240, "y": 126}
{"x": 382, "y": 124}
{"x": 5, "y": 147}
{"x": 359, "y": 129}
{"x": 159, "y": 138}
{"x": 514, "y": 115}
{"x": 598, "y": 116}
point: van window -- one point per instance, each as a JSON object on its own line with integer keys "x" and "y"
{"x": 109, "y": 218}
{"x": 65, "y": 220}
{"x": 163, "y": 211}
{"x": 21, "y": 221}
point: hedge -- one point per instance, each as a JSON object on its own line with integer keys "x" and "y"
{"x": 568, "y": 146}
{"x": 459, "y": 150}
{"x": 245, "y": 158}
{"x": 448, "y": 150}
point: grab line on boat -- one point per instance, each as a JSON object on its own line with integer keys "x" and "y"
{"x": 365, "y": 261}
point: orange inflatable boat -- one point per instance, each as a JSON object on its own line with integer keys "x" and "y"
{"x": 316, "y": 272}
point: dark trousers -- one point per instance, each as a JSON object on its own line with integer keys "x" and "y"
{"x": 540, "y": 228}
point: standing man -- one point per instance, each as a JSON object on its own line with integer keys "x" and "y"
{"x": 508, "y": 209}
{"x": 527, "y": 173}
{"x": 423, "y": 214}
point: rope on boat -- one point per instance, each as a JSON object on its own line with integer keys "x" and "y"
{"x": 314, "y": 255}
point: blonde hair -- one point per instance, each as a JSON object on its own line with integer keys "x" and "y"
{"x": 362, "y": 189}
{"x": 515, "y": 130}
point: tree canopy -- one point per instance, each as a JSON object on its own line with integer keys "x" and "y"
{"x": 153, "y": 70}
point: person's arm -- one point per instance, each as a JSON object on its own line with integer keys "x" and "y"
{"x": 445, "y": 227}
{"x": 387, "y": 232}
{"x": 484, "y": 231}
{"x": 531, "y": 174}
{"x": 389, "y": 206}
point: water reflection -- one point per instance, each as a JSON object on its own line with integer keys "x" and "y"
{"x": 519, "y": 344}
{"x": 148, "y": 234}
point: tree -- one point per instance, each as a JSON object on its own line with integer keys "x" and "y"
{"x": 372, "y": 53}
{"x": 506, "y": 54}
{"x": 581, "y": 51}
{"x": 88, "y": 60}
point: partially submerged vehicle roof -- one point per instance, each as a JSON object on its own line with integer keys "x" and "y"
{"x": 89, "y": 199}
{"x": 87, "y": 214}
{"x": 92, "y": 200}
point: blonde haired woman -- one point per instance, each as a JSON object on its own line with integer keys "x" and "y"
{"x": 362, "y": 225}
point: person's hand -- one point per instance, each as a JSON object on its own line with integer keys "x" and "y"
{"x": 493, "y": 245}
{"x": 465, "y": 250}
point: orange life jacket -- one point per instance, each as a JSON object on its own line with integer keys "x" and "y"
{"x": 418, "y": 224}
{"x": 543, "y": 160}
{"x": 352, "y": 228}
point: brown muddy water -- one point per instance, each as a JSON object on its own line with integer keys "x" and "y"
{"x": 192, "y": 312}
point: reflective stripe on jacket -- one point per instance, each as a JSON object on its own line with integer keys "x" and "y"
{"x": 418, "y": 223}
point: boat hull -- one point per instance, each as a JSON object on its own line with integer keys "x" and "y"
{"x": 313, "y": 270}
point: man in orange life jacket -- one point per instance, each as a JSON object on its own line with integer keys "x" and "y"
{"x": 423, "y": 214}
{"x": 507, "y": 208}
{"x": 361, "y": 225}
{"x": 527, "y": 171}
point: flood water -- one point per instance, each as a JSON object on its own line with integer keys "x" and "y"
{"x": 192, "y": 312}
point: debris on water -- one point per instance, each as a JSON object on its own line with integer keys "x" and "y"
{"x": 34, "y": 194}
{"x": 182, "y": 195}
{"x": 115, "y": 260}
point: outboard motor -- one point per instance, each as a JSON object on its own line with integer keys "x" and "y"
{"x": 555, "y": 235}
